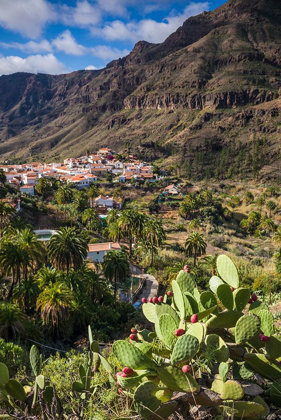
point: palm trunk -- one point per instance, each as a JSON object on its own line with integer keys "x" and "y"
{"x": 195, "y": 258}
{"x": 10, "y": 294}
{"x": 115, "y": 285}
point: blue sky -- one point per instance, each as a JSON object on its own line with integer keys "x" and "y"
{"x": 59, "y": 36}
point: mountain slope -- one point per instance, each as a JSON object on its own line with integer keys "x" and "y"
{"x": 206, "y": 99}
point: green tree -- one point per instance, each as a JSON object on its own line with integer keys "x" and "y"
{"x": 68, "y": 248}
{"x": 277, "y": 237}
{"x": 44, "y": 187}
{"x": 26, "y": 294}
{"x": 116, "y": 268}
{"x": 271, "y": 206}
{"x": 13, "y": 259}
{"x": 91, "y": 220}
{"x": 7, "y": 212}
{"x": 154, "y": 234}
{"x": 64, "y": 196}
{"x": 92, "y": 193}
{"x": 3, "y": 177}
{"x": 11, "y": 321}
{"x": 35, "y": 249}
{"x": 55, "y": 303}
{"x": 195, "y": 246}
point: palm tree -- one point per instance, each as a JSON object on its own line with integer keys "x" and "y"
{"x": 210, "y": 261}
{"x": 11, "y": 321}
{"x": 26, "y": 294}
{"x": 267, "y": 224}
{"x": 68, "y": 248}
{"x": 72, "y": 214}
{"x": 36, "y": 249}
{"x": 43, "y": 186}
{"x": 271, "y": 206}
{"x": 64, "y": 195}
{"x": 3, "y": 177}
{"x": 13, "y": 258}
{"x": 55, "y": 304}
{"x": 114, "y": 232}
{"x": 131, "y": 223}
{"x": 116, "y": 267}
{"x": 92, "y": 193}
{"x": 195, "y": 246}
{"x": 277, "y": 237}
{"x": 6, "y": 214}
{"x": 112, "y": 216}
{"x": 47, "y": 276}
{"x": 91, "y": 219}
{"x": 154, "y": 234}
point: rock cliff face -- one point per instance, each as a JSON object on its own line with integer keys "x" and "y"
{"x": 216, "y": 80}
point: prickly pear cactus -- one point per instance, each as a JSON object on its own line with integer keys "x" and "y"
{"x": 220, "y": 332}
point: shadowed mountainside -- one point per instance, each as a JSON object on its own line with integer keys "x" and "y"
{"x": 207, "y": 97}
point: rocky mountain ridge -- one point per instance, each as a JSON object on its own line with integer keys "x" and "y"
{"x": 216, "y": 80}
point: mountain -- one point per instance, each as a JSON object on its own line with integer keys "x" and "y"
{"x": 208, "y": 99}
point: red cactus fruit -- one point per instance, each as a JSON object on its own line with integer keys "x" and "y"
{"x": 194, "y": 319}
{"x": 118, "y": 384}
{"x": 144, "y": 300}
{"x": 160, "y": 299}
{"x": 128, "y": 371}
{"x": 179, "y": 332}
{"x": 254, "y": 297}
{"x": 133, "y": 337}
{"x": 186, "y": 369}
{"x": 118, "y": 374}
{"x": 232, "y": 289}
{"x": 120, "y": 390}
{"x": 155, "y": 300}
{"x": 169, "y": 293}
{"x": 250, "y": 301}
{"x": 134, "y": 330}
{"x": 150, "y": 300}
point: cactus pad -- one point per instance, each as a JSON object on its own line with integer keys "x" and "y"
{"x": 273, "y": 347}
{"x": 178, "y": 298}
{"x": 132, "y": 381}
{"x": 193, "y": 302}
{"x": 247, "y": 327}
{"x": 15, "y": 390}
{"x": 208, "y": 299}
{"x": 164, "y": 411}
{"x": 243, "y": 409}
{"x": 228, "y": 271}
{"x": 129, "y": 355}
{"x": 40, "y": 380}
{"x": 185, "y": 349}
{"x": 167, "y": 326}
{"x": 275, "y": 394}
{"x": 185, "y": 282}
{"x": 145, "y": 403}
{"x": 267, "y": 322}
{"x": 4, "y": 374}
{"x": 35, "y": 360}
{"x": 232, "y": 390}
{"x": 149, "y": 312}
{"x": 263, "y": 365}
{"x": 188, "y": 309}
{"x": 166, "y": 309}
{"x": 217, "y": 347}
{"x": 241, "y": 297}
{"x": 260, "y": 401}
{"x": 223, "y": 370}
{"x": 198, "y": 330}
{"x": 225, "y": 295}
{"x": 176, "y": 380}
{"x": 145, "y": 348}
{"x": 226, "y": 319}
{"x": 217, "y": 385}
{"x": 214, "y": 283}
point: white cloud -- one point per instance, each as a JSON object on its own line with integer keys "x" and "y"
{"x": 91, "y": 68}
{"x": 108, "y": 53}
{"x": 27, "y": 17}
{"x": 30, "y": 47}
{"x": 32, "y": 64}
{"x": 83, "y": 15}
{"x": 148, "y": 29}
{"x": 66, "y": 42}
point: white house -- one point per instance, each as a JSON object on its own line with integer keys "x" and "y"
{"x": 172, "y": 190}
{"x": 27, "y": 189}
{"x": 97, "y": 252}
{"x": 103, "y": 201}
{"x": 29, "y": 178}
